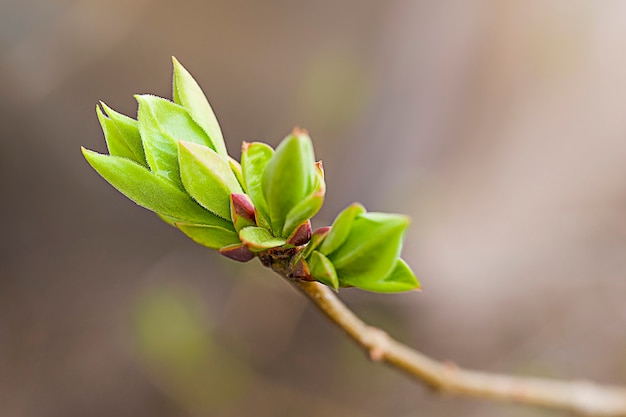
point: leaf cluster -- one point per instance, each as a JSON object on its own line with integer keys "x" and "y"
{"x": 172, "y": 160}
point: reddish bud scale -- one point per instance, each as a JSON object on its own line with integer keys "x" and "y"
{"x": 301, "y": 235}
{"x": 239, "y": 253}
{"x": 242, "y": 211}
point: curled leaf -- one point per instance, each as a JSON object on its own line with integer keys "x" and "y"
{"x": 288, "y": 178}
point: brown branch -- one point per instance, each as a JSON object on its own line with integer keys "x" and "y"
{"x": 581, "y": 397}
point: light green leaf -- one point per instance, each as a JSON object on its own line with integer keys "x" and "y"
{"x": 341, "y": 228}
{"x": 400, "y": 279}
{"x": 316, "y": 239}
{"x": 306, "y": 208}
{"x": 188, "y": 93}
{"x": 254, "y": 159}
{"x": 210, "y": 236}
{"x": 162, "y": 124}
{"x": 259, "y": 238}
{"x": 207, "y": 177}
{"x": 149, "y": 190}
{"x": 288, "y": 178}
{"x": 121, "y": 134}
{"x": 322, "y": 269}
{"x": 236, "y": 168}
{"x": 169, "y": 220}
{"x": 371, "y": 249}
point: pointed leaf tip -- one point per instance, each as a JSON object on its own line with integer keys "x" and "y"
{"x": 187, "y": 93}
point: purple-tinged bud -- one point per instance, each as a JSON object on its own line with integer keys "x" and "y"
{"x": 242, "y": 211}
{"x": 300, "y": 269}
{"x": 321, "y": 231}
{"x": 301, "y": 235}
{"x": 239, "y": 253}
{"x": 316, "y": 239}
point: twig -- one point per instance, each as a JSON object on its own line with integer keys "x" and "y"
{"x": 580, "y": 397}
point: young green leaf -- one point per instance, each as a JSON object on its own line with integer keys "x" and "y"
{"x": 162, "y": 124}
{"x": 400, "y": 279}
{"x": 151, "y": 191}
{"x": 188, "y": 93}
{"x": 259, "y": 238}
{"x": 236, "y": 168}
{"x": 207, "y": 177}
{"x": 254, "y": 159}
{"x": 316, "y": 239}
{"x": 371, "y": 249}
{"x": 322, "y": 269}
{"x": 121, "y": 134}
{"x": 213, "y": 237}
{"x": 306, "y": 208}
{"x": 341, "y": 228}
{"x": 288, "y": 178}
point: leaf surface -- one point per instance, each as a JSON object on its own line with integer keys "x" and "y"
{"x": 149, "y": 190}
{"x": 188, "y": 93}
{"x": 207, "y": 177}
{"x": 162, "y": 124}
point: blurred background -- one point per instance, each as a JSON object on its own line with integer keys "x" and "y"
{"x": 499, "y": 126}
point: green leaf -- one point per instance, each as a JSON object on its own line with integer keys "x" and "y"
{"x": 210, "y": 236}
{"x": 254, "y": 159}
{"x": 371, "y": 249}
{"x": 322, "y": 269}
{"x": 121, "y": 134}
{"x": 259, "y": 238}
{"x": 162, "y": 124}
{"x": 316, "y": 239}
{"x": 341, "y": 228}
{"x": 306, "y": 208}
{"x": 236, "y": 168}
{"x": 188, "y": 93}
{"x": 288, "y": 178}
{"x": 149, "y": 190}
{"x": 207, "y": 177}
{"x": 400, "y": 279}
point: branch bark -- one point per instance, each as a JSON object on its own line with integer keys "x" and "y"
{"x": 580, "y": 397}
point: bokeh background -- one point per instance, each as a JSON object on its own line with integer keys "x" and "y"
{"x": 499, "y": 126}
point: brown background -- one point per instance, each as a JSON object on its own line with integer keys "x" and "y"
{"x": 499, "y": 126}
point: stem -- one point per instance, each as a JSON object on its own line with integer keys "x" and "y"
{"x": 580, "y": 397}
